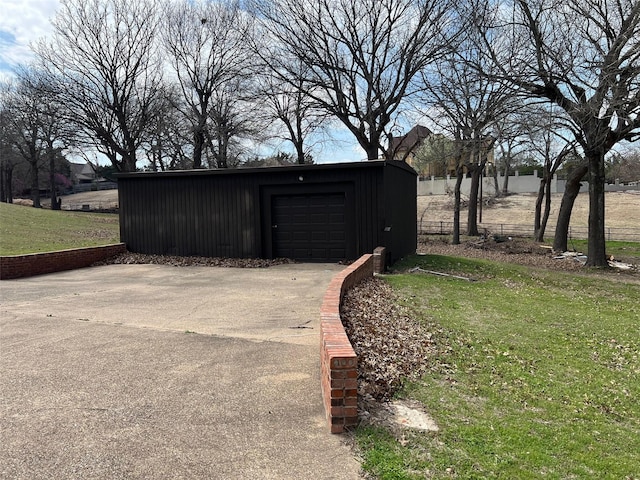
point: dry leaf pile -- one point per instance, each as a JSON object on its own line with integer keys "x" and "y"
{"x": 391, "y": 346}
{"x": 177, "y": 261}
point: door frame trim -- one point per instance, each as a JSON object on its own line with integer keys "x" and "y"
{"x": 267, "y": 192}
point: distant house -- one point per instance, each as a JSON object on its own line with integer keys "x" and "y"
{"x": 85, "y": 178}
{"x": 406, "y": 147}
{"x": 82, "y": 173}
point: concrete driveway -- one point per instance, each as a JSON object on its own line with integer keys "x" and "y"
{"x": 147, "y": 371}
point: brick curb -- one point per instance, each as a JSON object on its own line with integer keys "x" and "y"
{"x": 338, "y": 359}
{"x": 20, "y": 266}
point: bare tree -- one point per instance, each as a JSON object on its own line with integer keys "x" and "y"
{"x": 360, "y": 56}
{"x": 552, "y": 161}
{"x": 9, "y": 157}
{"x": 103, "y": 55}
{"x": 511, "y": 132}
{"x": 295, "y": 116}
{"x": 25, "y": 120}
{"x": 623, "y": 166}
{"x": 584, "y": 56}
{"x": 467, "y": 100}
{"x": 208, "y": 45}
{"x": 55, "y": 132}
{"x": 167, "y": 144}
{"x": 36, "y": 128}
{"x": 234, "y": 120}
{"x": 549, "y": 136}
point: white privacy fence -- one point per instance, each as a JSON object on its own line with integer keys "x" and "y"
{"x": 517, "y": 184}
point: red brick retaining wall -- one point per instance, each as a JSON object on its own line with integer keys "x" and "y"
{"x": 19, "y": 266}
{"x": 338, "y": 360}
{"x": 380, "y": 260}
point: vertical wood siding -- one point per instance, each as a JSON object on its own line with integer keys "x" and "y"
{"x": 222, "y": 213}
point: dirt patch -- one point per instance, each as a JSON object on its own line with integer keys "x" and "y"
{"x": 398, "y": 415}
{"x": 622, "y": 209}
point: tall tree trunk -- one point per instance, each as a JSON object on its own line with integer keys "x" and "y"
{"x": 372, "y": 152}
{"x": 8, "y": 178}
{"x": 198, "y": 146}
{"x": 542, "y": 191}
{"x": 505, "y": 181}
{"x": 571, "y": 191}
{"x": 35, "y": 186}
{"x": 472, "y": 214}
{"x": 456, "y": 206}
{"x": 369, "y": 143}
{"x": 55, "y": 204}
{"x": 547, "y": 211}
{"x": 596, "y": 250}
{"x": 538, "y": 210}
{"x": 300, "y": 152}
{"x": 223, "y": 142}
{"x": 3, "y": 184}
{"x": 130, "y": 162}
{"x": 496, "y": 186}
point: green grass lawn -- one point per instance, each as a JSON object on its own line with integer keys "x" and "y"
{"x": 33, "y": 230}
{"x": 538, "y": 376}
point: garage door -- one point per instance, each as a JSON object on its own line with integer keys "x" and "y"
{"x": 309, "y": 227}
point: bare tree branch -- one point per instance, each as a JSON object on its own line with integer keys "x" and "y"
{"x": 207, "y": 46}
{"x": 103, "y": 55}
{"x": 361, "y": 56}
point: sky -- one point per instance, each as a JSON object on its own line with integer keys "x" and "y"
{"x": 24, "y": 22}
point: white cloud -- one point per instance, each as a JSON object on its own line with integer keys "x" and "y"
{"x": 21, "y": 23}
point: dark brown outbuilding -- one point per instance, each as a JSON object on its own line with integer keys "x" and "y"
{"x": 317, "y": 213}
